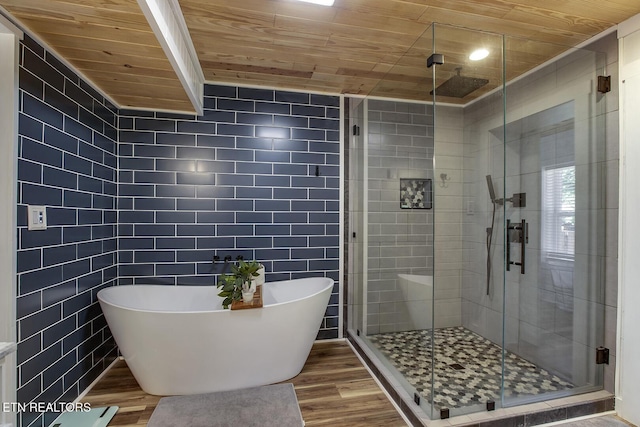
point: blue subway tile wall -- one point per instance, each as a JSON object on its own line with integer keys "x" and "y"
{"x": 256, "y": 175}
{"x": 67, "y": 161}
{"x": 151, "y": 197}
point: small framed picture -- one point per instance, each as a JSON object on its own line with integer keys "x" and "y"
{"x": 415, "y": 193}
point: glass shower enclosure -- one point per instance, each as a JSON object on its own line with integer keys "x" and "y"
{"x": 476, "y": 222}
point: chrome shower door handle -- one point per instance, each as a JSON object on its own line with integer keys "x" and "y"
{"x": 522, "y": 230}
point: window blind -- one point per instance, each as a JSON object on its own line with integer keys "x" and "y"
{"x": 558, "y": 211}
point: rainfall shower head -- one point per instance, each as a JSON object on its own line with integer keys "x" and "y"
{"x": 492, "y": 192}
{"x": 459, "y": 86}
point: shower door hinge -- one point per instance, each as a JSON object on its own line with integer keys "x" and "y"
{"x": 602, "y": 356}
{"x": 356, "y": 130}
{"x": 416, "y": 398}
{"x": 604, "y": 84}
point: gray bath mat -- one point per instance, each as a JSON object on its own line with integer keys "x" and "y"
{"x": 267, "y": 406}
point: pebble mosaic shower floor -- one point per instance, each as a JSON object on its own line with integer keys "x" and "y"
{"x": 467, "y": 367}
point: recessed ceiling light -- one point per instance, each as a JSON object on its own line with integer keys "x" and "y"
{"x": 322, "y": 2}
{"x": 478, "y": 54}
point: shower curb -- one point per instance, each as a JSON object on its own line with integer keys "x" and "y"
{"x": 560, "y": 413}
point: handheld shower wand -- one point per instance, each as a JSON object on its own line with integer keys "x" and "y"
{"x": 492, "y": 192}
{"x": 494, "y": 202}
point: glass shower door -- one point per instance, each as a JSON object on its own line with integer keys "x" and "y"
{"x": 554, "y": 285}
{"x": 391, "y": 234}
{"x": 469, "y": 262}
{"x": 521, "y": 189}
{"x": 391, "y": 211}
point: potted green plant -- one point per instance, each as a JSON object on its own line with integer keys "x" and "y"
{"x": 238, "y": 284}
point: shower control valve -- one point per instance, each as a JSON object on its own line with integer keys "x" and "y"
{"x": 519, "y": 200}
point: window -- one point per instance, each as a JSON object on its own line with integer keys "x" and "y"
{"x": 559, "y": 211}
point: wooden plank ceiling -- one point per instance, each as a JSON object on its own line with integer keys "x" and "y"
{"x": 376, "y": 47}
{"x": 110, "y": 42}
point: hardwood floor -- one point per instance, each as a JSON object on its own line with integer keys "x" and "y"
{"x": 334, "y": 389}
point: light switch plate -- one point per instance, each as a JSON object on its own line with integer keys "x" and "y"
{"x": 37, "y": 217}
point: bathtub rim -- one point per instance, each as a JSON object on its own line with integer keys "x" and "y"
{"x": 330, "y": 284}
{"x": 420, "y": 279}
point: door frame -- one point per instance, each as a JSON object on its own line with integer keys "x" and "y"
{"x": 627, "y": 388}
{"x": 10, "y": 37}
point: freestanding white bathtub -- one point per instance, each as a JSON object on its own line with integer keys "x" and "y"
{"x": 178, "y": 339}
{"x": 417, "y": 291}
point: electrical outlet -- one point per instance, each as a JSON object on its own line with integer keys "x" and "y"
{"x": 37, "y": 217}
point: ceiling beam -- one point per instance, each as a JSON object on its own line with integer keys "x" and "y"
{"x": 167, "y": 22}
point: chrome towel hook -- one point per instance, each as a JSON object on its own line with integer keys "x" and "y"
{"x": 444, "y": 178}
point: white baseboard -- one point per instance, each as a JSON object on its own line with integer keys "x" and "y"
{"x": 88, "y": 389}
{"x": 330, "y": 340}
